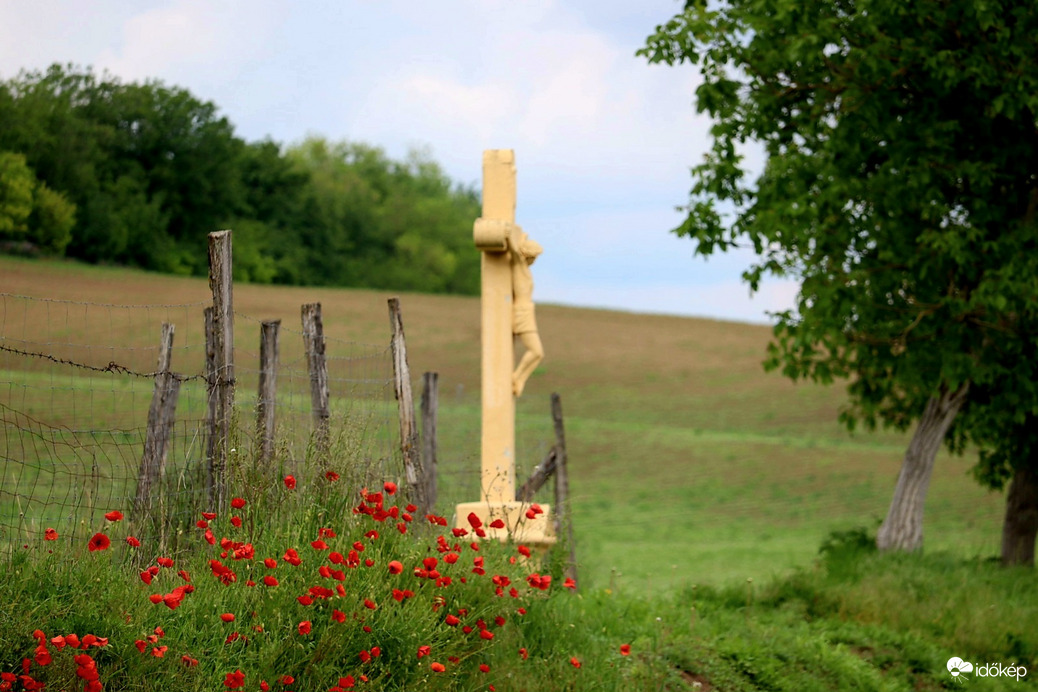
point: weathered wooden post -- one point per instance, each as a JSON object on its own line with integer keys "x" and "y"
{"x": 160, "y": 424}
{"x": 506, "y": 253}
{"x": 222, "y": 383}
{"x": 563, "y": 520}
{"x": 430, "y": 405}
{"x": 405, "y": 407}
{"x": 317, "y": 366}
{"x": 267, "y": 401}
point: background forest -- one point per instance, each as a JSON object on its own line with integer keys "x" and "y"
{"x": 137, "y": 174}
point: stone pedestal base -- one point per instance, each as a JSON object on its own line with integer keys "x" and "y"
{"x": 538, "y": 533}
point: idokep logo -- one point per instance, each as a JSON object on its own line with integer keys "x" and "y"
{"x": 958, "y": 668}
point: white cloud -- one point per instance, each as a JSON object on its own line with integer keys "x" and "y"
{"x": 191, "y": 42}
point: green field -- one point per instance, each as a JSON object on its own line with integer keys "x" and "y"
{"x": 688, "y": 463}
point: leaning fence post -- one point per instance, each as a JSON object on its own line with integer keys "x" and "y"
{"x": 222, "y": 382}
{"x": 267, "y": 388}
{"x": 430, "y": 396}
{"x": 160, "y": 424}
{"x": 405, "y": 406}
{"x": 317, "y": 365}
{"x": 563, "y": 521}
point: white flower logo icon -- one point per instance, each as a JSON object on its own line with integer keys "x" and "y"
{"x": 956, "y": 666}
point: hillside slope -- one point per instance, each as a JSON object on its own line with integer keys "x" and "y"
{"x": 689, "y": 464}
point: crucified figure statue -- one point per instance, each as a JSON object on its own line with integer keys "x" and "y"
{"x": 522, "y": 251}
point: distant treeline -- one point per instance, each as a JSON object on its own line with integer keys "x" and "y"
{"x": 138, "y": 174}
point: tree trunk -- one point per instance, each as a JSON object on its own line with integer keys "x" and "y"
{"x": 1021, "y": 523}
{"x": 903, "y": 527}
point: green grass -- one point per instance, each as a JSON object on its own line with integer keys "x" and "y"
{"x": 853, "y": 620}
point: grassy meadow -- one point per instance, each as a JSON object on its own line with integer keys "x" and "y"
{"x": 688, "y": 463}
{"x": 702, "y": 492}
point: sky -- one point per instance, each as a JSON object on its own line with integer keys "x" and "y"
{"x": 603, "y": 140}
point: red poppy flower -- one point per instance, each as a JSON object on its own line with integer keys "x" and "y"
{"x": 164, "y": 561}
{"x": 270, "y": 581}
{"x": 338, "y": 615}
{"x": 437, "y": 667}
{"x": 331, "y": 476}
{"x": 98, "y": 541}
{"x": 50, "y": 535}
{"x": 395, "y": 567}
{"x": 133, "y": 542}
{"x": 286, "y": 679}
{"x": 209, "y": 515}
{"x": 486, "y": 634}
{"x": 524, "y": 653}
{"x": 319, "y": 544}
{"x": 625, "y": 649}
{"x": 114, "y": 515}
{"x": 424, "y": 651}
{"x": 347, "y": 682}
{"x": 574, "y": 662}
{"x": 290, "y": 482}
{"x": 451, "y": 620}
{"x": 235, "y": 680}
{"x": 188, "y": 661}
{"x": 237, "y": 502}
{"x": 370, "y": 604}
{"x": 236, "y": 522}
{"x": 570, "y": 584}
{"x": 159, "y": 651}
{"x": 484, "y": 668}
{"x": 389, "y": 487}
{"x": 146, "y": 577}
{"x": 497, "y": 524}
{"x": 304, "y": 627}
{"x": 227, "y": 617}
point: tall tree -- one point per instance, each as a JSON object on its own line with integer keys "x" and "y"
{"x": 900, "y": 185}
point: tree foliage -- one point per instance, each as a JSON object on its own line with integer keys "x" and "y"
{"x": 30, "y": 212}
{"x": 900, "y": 185}
{"x": 150, "y": 170}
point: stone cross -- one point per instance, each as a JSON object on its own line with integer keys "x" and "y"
{"x": 502, "y": 244}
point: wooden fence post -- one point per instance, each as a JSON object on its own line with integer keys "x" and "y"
{"x": 222, "y": 382}
{"x": 317, "y": 366}
{"x": 538, "y": 478}
{"x": 211, "y": 435}
{"x": 405, "y": 406}
{"x": 430, "y": 397}
{"x": 160, "y": 425}
{"x": 563, "y": 521}
{"x": 267, "y": 400}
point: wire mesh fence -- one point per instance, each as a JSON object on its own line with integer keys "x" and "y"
{"x": 77, "y": 381}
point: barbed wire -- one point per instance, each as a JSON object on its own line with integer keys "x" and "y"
{"x": 112, "y": 367}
